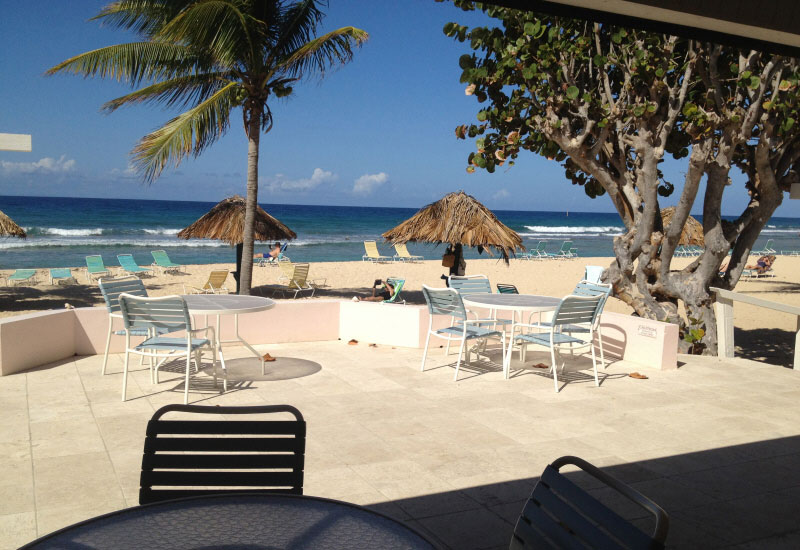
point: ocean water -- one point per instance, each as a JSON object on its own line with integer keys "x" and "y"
{"x": 63, "y": 231}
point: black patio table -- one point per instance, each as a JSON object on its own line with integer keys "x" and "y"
{"x": 233, "y": 521}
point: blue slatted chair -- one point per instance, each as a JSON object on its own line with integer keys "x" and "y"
{"x": 447, "y": 301}
{"x": 159, "y": 317}
{"x": 572, "y": 312}
{"x": 110, "y": 290}
{"x": 506, "y": 289}
{"x": 475, "y": 284}
{"x": 560, "y": 514}
{"x": 128, "y": 264}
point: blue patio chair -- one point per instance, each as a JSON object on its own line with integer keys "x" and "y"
{"x": 162, "y": 261}
{"x": 95, "y": 267}
{"x": 60, "y": 274}
{"x": 561, "y": 514}
{"x": 506, "y": 289}
{"x": 160, "y": 316}
{"x": 129, "y": 265}
{"x": 475, "y": 284}
{"x": 567, "y": 251}
{"x": 573, "y": 311}
{"x": 447, "y": 301}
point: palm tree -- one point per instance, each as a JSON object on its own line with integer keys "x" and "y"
{"x": 210, "y": 57}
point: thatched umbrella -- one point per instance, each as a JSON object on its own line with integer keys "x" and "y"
{"x": 8, "y": 228}
{"x": 460, "y": 220}
{"x": 225, "y": 222}
{"x": 692, "y": 232}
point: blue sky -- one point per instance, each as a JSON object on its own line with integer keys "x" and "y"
{"x": 378, "y": 131}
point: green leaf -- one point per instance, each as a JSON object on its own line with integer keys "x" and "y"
{"x": 734, "y": 68}
{"x": 784, "y": 85}
{"x": 530, "y": 28}
{"x": 482, "y": 115}
{"x": 787, "y": 124}
{"x": 689, "y": 108}
{"x": 659, "y": 72}
{"x": 466, "y": 61}
{"x": 755, "y": 82}
{"x": 572, "y": 92}
{"x": 651, "y": 107}
{"x": 638, "y": 110}
{"x": 599, "y": 60}
{"x": 745, "y": 75}
{"x": 616, "y": 38}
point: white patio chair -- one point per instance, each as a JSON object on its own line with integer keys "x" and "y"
{"x": 110, "y": 289}
{"x": 475, "y": 284}
{"x": 157, "y": 316}
{"x": 573, "y": 311}
{"x": 447, "y": 301}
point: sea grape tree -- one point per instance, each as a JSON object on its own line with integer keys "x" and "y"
{"x": 610, "y": 104}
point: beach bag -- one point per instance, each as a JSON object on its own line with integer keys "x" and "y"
{"x": 448, "y": 260}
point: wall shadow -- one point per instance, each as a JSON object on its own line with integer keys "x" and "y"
{"x": 739, "y": 495}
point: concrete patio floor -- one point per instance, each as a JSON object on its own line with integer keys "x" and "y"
{"x": 717, "y": 444}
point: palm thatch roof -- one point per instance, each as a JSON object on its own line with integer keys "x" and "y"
{"x": 692, "y": 232}
{"x": 225, "y": 222}
{"x": 457, "y": 218}
{"x": 8, "y": 228}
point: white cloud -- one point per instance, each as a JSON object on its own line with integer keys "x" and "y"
{"x": 128, "y": 173}
{"x": 279, "y": 182}
{"x": 367, "y": 183}
{"x": 45, "y": 165}
{"x": 502, "y": 194}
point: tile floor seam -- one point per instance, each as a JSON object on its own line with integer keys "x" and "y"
{"x": 30, "y": 458}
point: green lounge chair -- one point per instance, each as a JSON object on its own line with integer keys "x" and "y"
{"x": 397, "y": 284}
{"x": 163, "y": 262}
{"x": 95, "y": 267}
{"x": 21, "y": 275}
{"x": 566, "y": 251}
{"x": 539, "y": 253}
{"x": 130, "y": 266}
{"x": 60, "y": 274}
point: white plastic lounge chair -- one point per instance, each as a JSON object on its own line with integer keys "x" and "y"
{"x": 372, "y": 254}
{"x": 768, "y": 249}
{"x": 60, "y": 274}
{"x": 21, "y": 275}
{"x": 129, "y": 265}
{"x": 171, "y": 314}
{"x": 161, "y": 261}
{"x": 403, "y": 255}
{"x": 214, "y": 285}
{"x": 572, "y": 311}
{"x": 446, "y": 301}
{"x": 538, "y": 253}
{"x": 566, "y": 251}
{"x": 95, "y": 267}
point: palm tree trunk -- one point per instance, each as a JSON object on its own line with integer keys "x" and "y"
{"x": 251, "y": 202}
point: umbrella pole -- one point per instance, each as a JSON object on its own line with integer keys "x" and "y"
{"x": 238, "y": 273}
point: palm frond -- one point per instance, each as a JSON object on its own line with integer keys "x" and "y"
{"x": 188, "y": 133}
{"x": 144, "y": 17}
{"x": 335, "y": 47}
{"x": 219, "y": 26}
{"x": 181, "y": 91}
{"x": 297, "y": 26}
{"x": 132, "y": 62}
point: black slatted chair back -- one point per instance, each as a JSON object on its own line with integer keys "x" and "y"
{"x": 184, "y": 458}
{"x": 559, "y": 514}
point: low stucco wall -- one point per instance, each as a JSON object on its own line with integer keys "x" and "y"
{"x": 32, "y": 340}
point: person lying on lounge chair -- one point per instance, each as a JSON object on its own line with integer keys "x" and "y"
{"x": 381, "y": 291}
{"x": 272, "y": 255}
{"x": 763, "y": 264}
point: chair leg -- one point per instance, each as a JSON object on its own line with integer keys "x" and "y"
{"x": 125, "y": 372}
{"x": 594, "y": 362}
{"x": 188, "y": 369}
{"x": 427, "y": 341}
{"x": 554, "y": 366}
{"x": 108, "y": 344}
{"x": 503, "y": 349}
{"x": 602, "y": 357}
{"x": 460, "y": 353}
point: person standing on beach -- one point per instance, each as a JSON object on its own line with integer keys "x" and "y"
{"x": 454, "y": 259}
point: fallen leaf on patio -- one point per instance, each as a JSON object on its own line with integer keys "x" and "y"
{"x": 353, "y": 342}
{"x": 540, "y": 366}
{"x": 638, "y": 376}
{"x": 268, "y": 357}
{"x": 373, "y": 345}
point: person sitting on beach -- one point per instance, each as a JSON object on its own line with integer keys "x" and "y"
{"x": 386, "y": 292}
{"x": 272, "y": 255}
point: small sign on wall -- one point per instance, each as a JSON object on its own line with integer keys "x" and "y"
{"x": 647, "y": 332}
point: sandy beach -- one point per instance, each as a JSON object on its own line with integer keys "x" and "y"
{"x": 761, "y": 333}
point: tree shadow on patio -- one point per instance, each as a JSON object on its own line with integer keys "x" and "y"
{"x": 246, "y": 369}
{"x": 767, "y": 345}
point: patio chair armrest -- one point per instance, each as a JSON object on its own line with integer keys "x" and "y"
{"x": 206, "y": 330}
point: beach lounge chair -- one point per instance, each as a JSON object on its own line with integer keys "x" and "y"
{"x": 60, "y": 274}
{"x": 21, "y": 275}
{"x": 129, "y": 265}
{"x": 177, "y": 467}
{"x": 403, "y": 255}
{"x": 562, "y": 514}
{"x": 768, "y": 249}
{"x": 161, "y": 261}
{"x": 269, "y": 260}
{"x": 447, "y": 302}
{"x": 566, "y": 251}
{"x": 296, "y": 281}
{"x": 397, "y": 284}
{"x": 168, "y": 314}
{"x": 214, "y": 285}
{"x": 372, "y": 254}
{"x": 95, "y": 267}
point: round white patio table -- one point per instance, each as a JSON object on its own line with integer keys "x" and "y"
{"x": 239, "y": 521}
{"x": 515, "y": 303}
{"x": 228, "y": 304}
